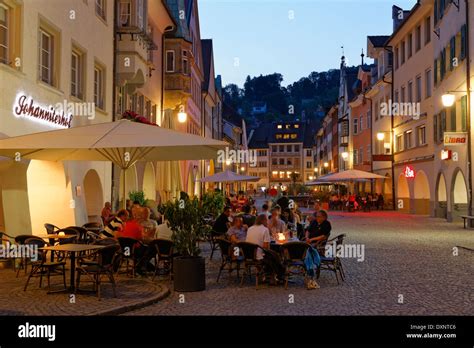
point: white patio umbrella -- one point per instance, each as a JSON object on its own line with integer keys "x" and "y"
{"x": 229, "y": 176}
{"x": 350, "y": 175}
{"x": 122, "y": 142}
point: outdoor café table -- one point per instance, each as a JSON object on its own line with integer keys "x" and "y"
{"x": 72, "y": 249}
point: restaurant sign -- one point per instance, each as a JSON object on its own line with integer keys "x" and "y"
{"x": 25, "y": 107}
{"x": 455, "y": 138}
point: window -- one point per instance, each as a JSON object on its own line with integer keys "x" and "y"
{"x": 418, "y": 89}
{"x": 274, "y": 161}
{"x": 279, "y": 136}
{"x": 308, "y": 153}
{"x": 462, "y": 55}
{"x": 402, "y": 94}
{"x": 100, "y": 8}
{"x": 452, "y": 117}
{"x": 4, "y": 33}
{"x": 185, "y": 63}
{"x": 408, "y": 140}
{"x": 369, "y": 119}
{"x": 125, "y": 13}
{"x": 308, "y": 165}
{"x": 397, "y": 57}
{"x": 293, "y": 136}
{"x": 403, "y": 53}
{"x": 399, "y": 142}
{"x": 289, "y": 148}
{"x": 442, "y": 70}
{"x": 281, "y": 148}
{"x": 297, "y": 126}
{"x": 46, "y": 54}
{"x": 397, "y": 96}
{"x": 361, "y": 155}
{"x": 435, "y": 70}
{"x": 279, "y": 126}
{"x": 369, "y": 152}
{"x": 452, "y": 52}
{"x": 282, "y": 161}
{"x": 99, "y": 87}
{"x": 361, "y": 121}
{"x": 418, "y": 38}
{"x": 77, "y": 73}
{"x": 428, "y": 85}
{"x": 410, "y": 92}
{"x": 356, "y": 125}
{"x": 355, "y": 157}
{"x": 410, "y": 45}
{"x": 170, "y": 64}
{"x": 274, "y": 148}
{"x": 297, "y": 148}
{"x": 421, "y": 135}
{"x": 289, "y": 162}
{"x": 286, "y": 136}
{"x": 427, "y": 30}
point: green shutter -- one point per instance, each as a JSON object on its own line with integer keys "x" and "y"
{"x": 464, "y": 113}
{"x": 453, "y": 118}
{"x": 443, "y": 64}
{"x": 453, "y": 52}
{"x": 435, "y": 128}
{"x": 435, "y": 71}
{"x": 463, "y": 41}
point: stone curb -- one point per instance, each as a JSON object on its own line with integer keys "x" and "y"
{"x": 128, "y": 308}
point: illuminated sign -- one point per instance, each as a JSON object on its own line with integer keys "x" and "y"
{"x": 455, "y": 138}
{"x": 25, "y": 107}
{"x": 409, "y": 172}
{"x": 445, "y": 154}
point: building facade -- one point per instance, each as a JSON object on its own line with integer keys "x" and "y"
{"x": 49, "y": 61}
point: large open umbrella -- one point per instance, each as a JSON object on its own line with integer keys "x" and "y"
{"x": 122, "y": 142}
{"x": 350, "y": 175}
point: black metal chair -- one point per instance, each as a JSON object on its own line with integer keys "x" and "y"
{"x": 164, "y": 255}
{"x": 228, "y": 258}
{"x": 81, "y": 233}
{"x": 95, "y": 227}
{"x": 108, "y": 260}
{"x": 294, "y": 254}
{"x": 20, "y": 240}
{"x": 333, "y": 263}
{"x": 249, "y": 253}
{"x": 40, "y": 266}
{"x": 213, "y": 236}
{"x": 128, "y": 246}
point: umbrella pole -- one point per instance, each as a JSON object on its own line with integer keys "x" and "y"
{"x": 124, "y": 201}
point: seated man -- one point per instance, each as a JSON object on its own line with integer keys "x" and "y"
{"x": 319, "y": 229}
{"x": 116, "y": 225}
{"x": 238, "y": 232}
{"x": 276, "y": 225}
{"x": 248, "y": 218}
{"x": 222, "y": 223}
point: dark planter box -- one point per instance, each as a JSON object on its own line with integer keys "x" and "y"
{"x": 189, "y": 274}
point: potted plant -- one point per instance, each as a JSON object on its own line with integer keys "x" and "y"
{"x": 185, "y": 218}
{"x": 137, "y": 196}
{"x": 213, "y": 203}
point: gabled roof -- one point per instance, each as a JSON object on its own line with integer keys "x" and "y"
{"x": 207, "y": 53}
{"x": 378, "y": 40}
{"x": 260, "y": 136}
{"x": 182, "y": 30}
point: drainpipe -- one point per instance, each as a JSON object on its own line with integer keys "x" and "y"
{"x": 468, "y": 107}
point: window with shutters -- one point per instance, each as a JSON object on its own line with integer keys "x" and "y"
{"x": 418, "y": 89}
{"x": 463, "y": 42}
{"x": 403, "y": 53}
{"x": 410, "y": 44}
{"x": 452, "y": 117}
{"x": 443, "y": 64}
{"x": 356, "y": 125}
{"x": 435, "y": 12}
{"x": 427, "y": 30}
{"x": 442, "y": 125}
{"x": 435, "y": 128}
{"x": 435, "y": 70}
{"x": 418, "y": 38}
{"x": 428, "y": 85}
{"x": 452, "y": 54}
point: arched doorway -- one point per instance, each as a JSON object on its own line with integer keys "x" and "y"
{"x": 441, "y": 207}
{"x": 93, "y": 195}
{"x": 49, "y": 195}
{"x": 130, "y": 181}
{"x": 422, "y": 194}
{"x": 149, "y": 182}
{"x": 459, "y": 195}
{"x": 403, "y": 194}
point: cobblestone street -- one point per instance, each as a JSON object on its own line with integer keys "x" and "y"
{"x": 405, "y": 255}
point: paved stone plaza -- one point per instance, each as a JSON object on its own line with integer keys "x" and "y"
{"x": 405, "y": 255}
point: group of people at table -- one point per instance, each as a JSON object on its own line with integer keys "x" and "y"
{"x": 274, "y": 226}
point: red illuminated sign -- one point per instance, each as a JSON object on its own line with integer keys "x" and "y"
{"x": 445, "y": 154}
{"x": 409, "y": 172}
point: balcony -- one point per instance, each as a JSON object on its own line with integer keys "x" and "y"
{"x": 177, "y": 89}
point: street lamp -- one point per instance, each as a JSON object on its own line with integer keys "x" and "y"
{"x": 242, "y": 169}
{"x": 182, "y": 117}
{"x": 326, "y": 164}
{"x": 448, "y": 100}
{"x": 315, "y": 170}
{"x": 380, "y": 136}
{"x": 345, "y": 155}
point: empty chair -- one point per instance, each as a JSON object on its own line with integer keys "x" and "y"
{"x": 164, "y": 256}
{"x": 294, "y": 254}
{"x": 82, "y": 233}
{"x": 20, "y": 240}
{"x": 108, "y": 260}
{"x": 40, "y": 265}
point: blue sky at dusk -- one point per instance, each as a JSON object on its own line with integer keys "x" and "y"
{"x": 261, "y": 37}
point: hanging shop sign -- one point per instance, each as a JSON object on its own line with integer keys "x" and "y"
{"x": 26, "y": 107}
{"x": 455, "y": 138}
{"x": 446, "y": 154}
{"x": 409, "y": 172}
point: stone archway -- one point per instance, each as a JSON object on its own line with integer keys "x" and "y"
{"x": 421, "y": 194}
{"x": 93, "y": 195}
{"x": 441, "y": 206}
{"x": 459, "y": 195}
{"x": 403, "y": 194}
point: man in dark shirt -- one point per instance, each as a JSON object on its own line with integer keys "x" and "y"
{"x": 283, "y": 201}
{"x": 320, "y": 228}
{"x": 248, "y": 218}
{"x": 222, "y": 224}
